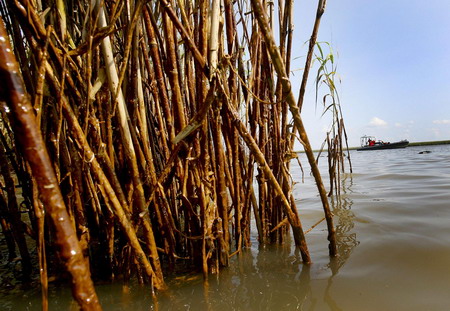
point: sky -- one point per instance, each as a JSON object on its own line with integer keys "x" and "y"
{"x": 393, "y": 64}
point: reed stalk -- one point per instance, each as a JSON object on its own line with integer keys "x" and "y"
{"x": 295, "y": 110}
{"x": 35, "y": 152}
{"x": 161, "y": 128}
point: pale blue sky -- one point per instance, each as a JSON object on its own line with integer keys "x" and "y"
{"x": 393, "y": 59}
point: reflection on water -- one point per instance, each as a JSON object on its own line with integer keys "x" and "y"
{"x": 393, "y": 234}
{"x": 345, "y": 235}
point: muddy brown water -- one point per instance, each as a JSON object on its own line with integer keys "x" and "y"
{"x": 393, "y": 229}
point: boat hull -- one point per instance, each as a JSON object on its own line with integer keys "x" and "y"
{"x": 396, "y": 145}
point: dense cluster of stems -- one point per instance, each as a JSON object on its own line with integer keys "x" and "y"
{"x": 147, "y": 136}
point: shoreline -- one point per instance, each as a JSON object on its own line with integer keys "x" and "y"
{"x": 430, "y": 143}
{"x": 420, "y": 143}
{"x": 413, "y": 144}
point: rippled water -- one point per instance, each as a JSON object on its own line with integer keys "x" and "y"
{"x": 393, "y": 228}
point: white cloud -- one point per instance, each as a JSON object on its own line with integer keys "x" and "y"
{"x": 375, "y": 121}
{"x": 441, "y": 122}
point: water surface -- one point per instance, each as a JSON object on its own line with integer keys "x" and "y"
{"x": 393, "y": 229}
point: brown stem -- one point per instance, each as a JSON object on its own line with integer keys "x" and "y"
{"x": 119, "y": 212}
{"x": 15, "y": 219}
{"x": 312, "y": 44}
{"x": 259, "y": 157}
{"x": 30, "y": 139}
{"x": 287, "y": 91}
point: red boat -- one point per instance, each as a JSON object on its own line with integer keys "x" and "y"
{"x": 370, "y": 143}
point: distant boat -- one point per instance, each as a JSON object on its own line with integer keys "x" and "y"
{"x": 370, "y": 143}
